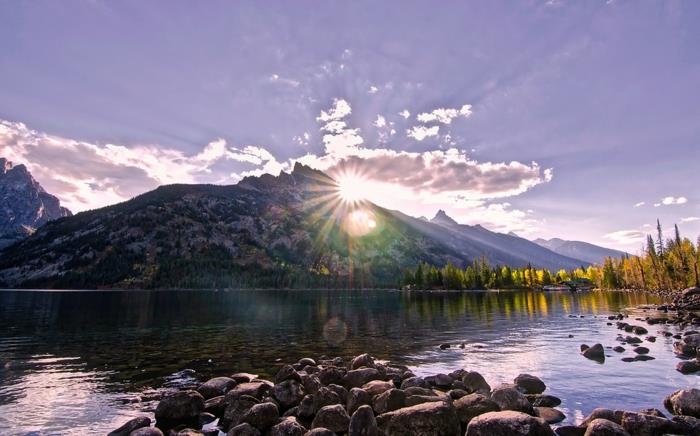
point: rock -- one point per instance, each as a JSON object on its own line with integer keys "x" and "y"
{"x": 205, "y": 418}
{"x": 363, "y": 360}
{"x": 287, "y": 372}
{"x": 444, "y": 346}
{"x": 602, "y": 413}
{"x": 415, "y": 390}
{"x": 474, "y": 405}
{"x": 684, "y": 402}
{"x": 542, "y": 400}
{"x": 288, "y": 393}
{"x": 509, "y": 398}
{"x": 640, "y": 424}
{"x": 570, "y": 430}
{"x": 376, "y": 387}
{"x": 641, "y": 350}
{"x": 687, "y": 366}
{"x": 235, "y": 411}
{"x": 639, "y": 330}
{"x": 261, "y": 416}
{"x": 312, "y": 384}
{"x": 603, "y": 427}
{"x": 475, "y": 382}
{"x": 357, "y": 397}
{"x": 549, "y": 414}
{"x": 632, "y": 340}
{"x": 421, "y": 420}
{"x": 643, "y": 358}
{"x": 332, "y": 375}
{"x": 358, "y": 377}
{"x": 596, "y": 352}
{"x": 287, "y": 427}
{"x": 187, "y": 432}
{"x": 584, "y": 347}
{"x": 363, "y": 423}
{"x": 244, "y": 430}
{"x": 325, "y": 397}
{"x": 307, "y": 361}
{"x": 306, "y": 408}
{"x": 529, "y": 384}
{"x": 653, "y": 412}
{"x": 181, "y": 407}
{"x": 146, "y": 431}
{"x": 244, "y": 377}
{"x": 334, "y": 418}
{"x": 415, "y": 382}
{"x": 340, "y": 391}
{"x": 689, "y": 292}
{"x": 420, "y": 399}
{"x": 256, "y": 389}
{"x": 215, "y": 406}
{"x": 687, "y": 424}
{"x": 440, "y": 380}
{"x": 508, "y": 423}
{"x": 619, "y": 349}
{"x": 131, "y": 425}
{"x": 216, "y": 386}
{"x": 456, "y": 394}
{"x": 388, "y": 401}
{"x": 320, "y": 431}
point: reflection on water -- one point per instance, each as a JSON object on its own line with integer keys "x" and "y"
{"x": 81, "y": 362}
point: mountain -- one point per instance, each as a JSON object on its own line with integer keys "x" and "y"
{"x": 580, "y": 250}
{"x": 286, "y": 231}
{"x": 24, "y": 204}
{"x": 506, "y": 249}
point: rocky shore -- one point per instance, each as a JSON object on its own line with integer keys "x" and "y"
{"x": 364, "y": 397}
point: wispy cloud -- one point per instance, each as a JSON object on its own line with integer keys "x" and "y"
{"x": 640, "y": 204}
{"x": 690, "y": 219}
{"x": 669, "y": 201}
{"x": 419, "y": 133}
{"x": 445, "y": 115}
{"x": 626, "y": 237}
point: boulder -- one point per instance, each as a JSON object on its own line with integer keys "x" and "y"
{"x": 288, "y": 393}
{"x": 420, "y": 399}
{"x": 473, "y": 405}
{"x": 289, "y": 426}
{"x": 363, "y": 360}
{"x": 244, "y": 377}
{"x": 377, "y": 387}
{"x": 425, "y": 419}
{"x": 312, "y": 384}
{"x": 215, "y": 406}
{"x": 261, "y": 416}
{"x": 475, "y": 382}
{"x": 131, "y": 425}
{"x": 358, "y": 377}
{"x": 244, "y": 430}
{"x": 508, "y": 423}
{"x": 181, "y": 407}
{"x": 550, "y": 415}
{"x": 596, "y": 352}
{"x": 603, "y": 413}
{"x": 684, "y": 402}
{"x": 146, "y": 431}
{"x": 340, "y": 391}
{"x": 325, "y": 397}
{"x": 440, "y": 380}
{"x": 688, "y": 424}
{"x": 334, "y": 418}
{"x": 216, "y": 386}
{"x": 333, "y": 375}
{"x": 307, "y": 361}
{"x": 415, "y": 382}
{"x": 235, "y": 411}
{"x": 687, "y": 366}
{"x": 641, "y": 424}
{"x": 357, "y": 397}
{"x": 388, "y": 401}
{"x": 529, "y": 384}
{"x": 509, "y": 398}
{"x": 306, "y": 408}
{"x": 541, "y": 400}
{"x": 604, "y": 427}
{"x": 256, "y": 389}
{"x": 320, "y": 431}
{"x": 363, "y": 423}
{"x": 287, "y": 372}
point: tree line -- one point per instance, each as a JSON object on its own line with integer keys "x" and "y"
{"x": 664, "y": 264}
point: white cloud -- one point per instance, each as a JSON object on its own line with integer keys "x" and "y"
{"x": 669, "y": 201}
{"x": 275, "y": 78}
{"x": 690, "y": 219}
{"x": 419, "y": 133}
{"x": 445, "y": 115}
{"x": 405, "y": 113}
{"x": 339, "y": 110}
{"x": 380, "y": 121}
{"x": 373, "y": 90}
{"x": 626, "y": 236}
{"x": 640, "y": 204}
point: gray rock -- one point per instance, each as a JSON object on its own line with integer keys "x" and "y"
{"x": 182, "y": 407}
{"x": 244, "y": 377}
{"x": 235, "y": 411}
{"x": 287, "y": 372}
{"x": 363, "y": 423}
{"x": 549, "y": 414}
{"x": 529, "y": 384}
{"x": 261, "y": 416}
{"x": 596, "y": 352}
{"x": 334, "y": 418}
{"x": 215, "y": 406}
{"x": 688, "y": 366}
{"x": 216, "y": 386}
{"x": 684, "y": 402}
{"x": 602, "y": 413}
{"x": 244, "y": 430}
{"x": 358, "y": 377}
{"x": 541, "y": 400}
{"x": 475, "y": 382}
{"x": 146, "y": 431}
{"x": 508, "y": 423}
{"x": 306, "y": 407}
{"x": 320, "y": 431}
{"x": 640, "y": 424}
{"x": 357, "y": 397}
{"x": 333, "y": 375}
{"x": 287, "y": 427}
{"x": 377, "y": 387}
{"x": 509, "y": 398}
{"x": 363, "y": 360}
{"x": 473, "y": 405}
{"x": 325, "y": 397}
{"x": 425, "y": 419}
{"x": 604, "y": 427}
{"x": 288, "y": 393}
{"x": 420, "y": 399}
{"x": 131, "y": 425}
{"x": 388, "y": 401}
{"x": 415, "y": 382}
{"x": 340, "y": 391}
{"x": 256, "y": 389}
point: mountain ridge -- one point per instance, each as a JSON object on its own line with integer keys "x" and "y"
{"x": 591, "y": 253}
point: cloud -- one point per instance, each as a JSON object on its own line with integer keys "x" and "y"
{"x": 405, "y": 113}
{"x": 690, "y": 219}
{"x": 419, "y": 133}
{"x": 445, "y": 115}
{"x": 640, "y": 204}
{"x": 669, "y": 201}
{"x": 626, "y": 236}
{"x": 380, "y": 121}
{"x": 372, "y": 90}
{"x": 275, "y": 78}
{"x": 339, "y": 110}
{"x": 500, "y": 217}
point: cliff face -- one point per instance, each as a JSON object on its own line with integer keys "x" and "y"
{"x": 24, "y": 204}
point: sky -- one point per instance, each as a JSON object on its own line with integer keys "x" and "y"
{"x": 551, "y": 118}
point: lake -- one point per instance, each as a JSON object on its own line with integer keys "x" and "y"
{"x": 84, "y": 362}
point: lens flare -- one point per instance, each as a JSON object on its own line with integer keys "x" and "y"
{"x": 352, "y": 187}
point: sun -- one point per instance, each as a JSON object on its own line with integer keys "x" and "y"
{"x": 352, "y": 188}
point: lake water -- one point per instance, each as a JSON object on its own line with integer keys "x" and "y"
{"x": 83, "y": 362}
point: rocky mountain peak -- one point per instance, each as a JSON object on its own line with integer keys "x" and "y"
{"x": 441, "y": 217}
